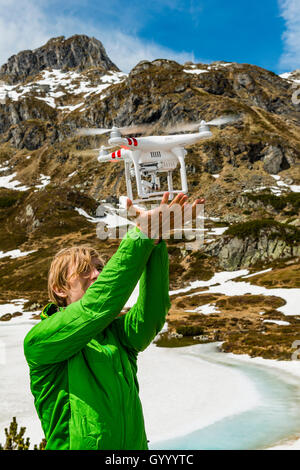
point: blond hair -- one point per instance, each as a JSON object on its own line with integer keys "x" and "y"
{"x": 77, "y": 257}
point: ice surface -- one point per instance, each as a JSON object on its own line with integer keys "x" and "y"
{"x": 181, "y": 393}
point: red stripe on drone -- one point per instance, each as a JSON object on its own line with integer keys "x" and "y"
{"x": 119, "y": 153}
{"x": 113, "y": 155}
{"x": 134, "y": 141}
{"x": 129, "y": 141}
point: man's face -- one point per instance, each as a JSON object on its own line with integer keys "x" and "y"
{"x": 79, "y": 283}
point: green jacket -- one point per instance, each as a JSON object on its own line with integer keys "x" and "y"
{"x": 83, "y": 359}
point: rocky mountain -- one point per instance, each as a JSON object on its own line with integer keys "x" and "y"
{"x": 78, "y": 52}
{"x": 51, "y": 184}
{"x": 293, "y": 77}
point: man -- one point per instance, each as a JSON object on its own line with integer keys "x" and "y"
{"x": 83, "y": 355}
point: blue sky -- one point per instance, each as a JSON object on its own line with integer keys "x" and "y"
{"x": 221, "y": 30}
{"x": 262, "y": 32}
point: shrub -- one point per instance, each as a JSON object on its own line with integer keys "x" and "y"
{"x": 189, "y": 330}
{"x": 253, "y": 228}
{"x": 9, "y": 198}
{"x": 15, "y": 439}
{"x": 277, "y": 202}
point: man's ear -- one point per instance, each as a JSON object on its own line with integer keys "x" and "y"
{"x": 59, "y": 292}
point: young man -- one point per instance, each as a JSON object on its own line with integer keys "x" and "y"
{"x": 83, "y": 355}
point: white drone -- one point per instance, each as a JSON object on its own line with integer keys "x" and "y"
{"x": 147, "y": 157}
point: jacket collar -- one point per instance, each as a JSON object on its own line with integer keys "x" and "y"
{"x": 49, "y": 310}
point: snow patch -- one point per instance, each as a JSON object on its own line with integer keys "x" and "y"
{"x": 15, "y": 253}
{"x": 206, "y": 309}
{"x": 258, "y": 272}
{"x": 45, "y": 180}
{"x": 196, "y": 71}
{"x": 223, "y": 283}
{"x": 278, "y": 322}
{"x": 55, "y": 84}
{"x": 293, "y": 187}
{"x": 217, "y": 230}
{"x": 8, "y": 182}
{"x": 288, "y": 76}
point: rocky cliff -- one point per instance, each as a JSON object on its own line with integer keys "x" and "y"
{"x": 78, "y": 52}
{"x": 255, "y": 242}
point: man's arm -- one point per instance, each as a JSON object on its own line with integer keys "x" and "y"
{"x": 138, "y": 327}
{"x": 66, "y": 332}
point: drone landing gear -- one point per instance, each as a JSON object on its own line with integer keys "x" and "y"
{"x": 128, "y": 180}
{"x": 170, "y": 184}
{"x": 180, "y": 154}
{"x": 150, "y": 190}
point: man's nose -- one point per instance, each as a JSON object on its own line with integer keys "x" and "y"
{"x": 94, "y": 273}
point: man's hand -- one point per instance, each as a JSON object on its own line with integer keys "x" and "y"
{"x": 160, "y": 222}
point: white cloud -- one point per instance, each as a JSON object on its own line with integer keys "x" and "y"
{"x": 127, "y": 51}
{"x": 28, "y": 24}
{"x": 22, "y": 26}
{"x": 290, "y": 11}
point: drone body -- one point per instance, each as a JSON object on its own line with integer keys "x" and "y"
{"x": 146, "y": 158}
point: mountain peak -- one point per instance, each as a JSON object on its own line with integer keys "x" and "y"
{"x": 77, "y": 52}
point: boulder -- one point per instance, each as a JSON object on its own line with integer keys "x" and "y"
{"x": 272, "y": 160}
{"x": 264, "y": 244}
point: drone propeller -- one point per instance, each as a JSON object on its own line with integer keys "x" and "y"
{"x": 106, "y": 147}
{"x": 95, "y": 150}
{"x": 223, "y": 120}
{"x": 134, "y": 129}
{"x": 215, "y": 122}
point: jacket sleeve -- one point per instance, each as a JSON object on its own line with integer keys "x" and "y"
{"x": 139, "y": 326}
{"x": 66, "y": 332}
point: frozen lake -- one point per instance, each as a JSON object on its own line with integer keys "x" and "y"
{"x": 261, "y": 403}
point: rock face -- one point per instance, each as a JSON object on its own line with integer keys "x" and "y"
{"x": 77, "y": 52}
{"x": 272, "y": 160}
{"x": 242, "y": 252}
